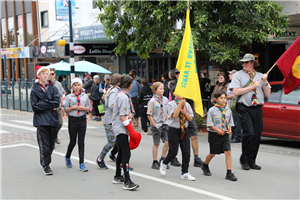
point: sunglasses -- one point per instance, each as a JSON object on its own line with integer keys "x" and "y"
{"x": 245, "y": 62}
{"x": 52, "y": 74}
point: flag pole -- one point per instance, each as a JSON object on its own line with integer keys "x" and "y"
{"x": 188, "y": 4}
{"x": 271, "y": 68}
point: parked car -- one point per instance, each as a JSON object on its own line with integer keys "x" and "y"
{"x": 281, "y": 113}
{"x": 3, "y": 89}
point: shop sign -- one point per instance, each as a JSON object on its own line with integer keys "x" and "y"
{"x": 290, "y": 34}
{"x": 62, "y": 10}
{"x": 89, "y": 32}
{"x": 21, "y": 52}
{"x": 48, "y": 49}
{"x": 91, "y": 49}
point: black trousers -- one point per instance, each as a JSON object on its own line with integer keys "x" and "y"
{"x": 174, "y": 142}
{"x": 114, "y": 151}
{"x": 143, "y": 113}
{"x": 236, "y": 129}
{"x": 95, "y": 107}
{"x": 77, "y": 127}
{"x": 252, "y": 125}
{"x": 46, "y": 136}
{"x": 123, "y": 156}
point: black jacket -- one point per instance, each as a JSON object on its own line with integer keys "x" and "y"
{"x": 145, "y": 94}
{"x": 173, "y": 84}
{"x": 87, "y": 85}
{"x": 43, "y": 104}
{"x": 95, "y": 94}
{"x": 166, "y": 92}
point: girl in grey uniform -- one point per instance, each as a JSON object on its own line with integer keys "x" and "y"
{"x": 180, "y": 114}
{"x": 76, "y": 106}
{"x": 123, "y": 112}
{"x": 109, "y": 99}
{"x": 219, "y": 123}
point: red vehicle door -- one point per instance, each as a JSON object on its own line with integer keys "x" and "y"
{"x": 289, "y": 115}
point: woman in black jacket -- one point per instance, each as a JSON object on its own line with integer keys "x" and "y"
{"x": 96, "y": 97}
{"x": 145, "y": 94}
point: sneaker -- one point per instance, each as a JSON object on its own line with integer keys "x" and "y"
{"x": 83, "y": 168}
{"x": 245, "y": 166}
{"x": 68, "y": 162}
{"x": 188, "y": 177}
{"x": 99, "y": 120}
{"x": 113, "y": 158}
{"x": 95, "y": 119}
{"x": 155, "y": 165}
{"x": 175, "y": 162}
{"x": 168, "y": 167}
{"x": 130, "y": 168}
{"x": 198, "y": 162}
{"x": 129, "y": 185}
{"x": 162, "y": 168}
{"x": 47, "y": 170}
{"x": 118, "y": 179}
{"x": 101, "y": 164}
{"x": 205, "y": 170}
{"x": 57, "y": 141}
{"x": 230, "y": 177}
{"x": 254, "y": 166}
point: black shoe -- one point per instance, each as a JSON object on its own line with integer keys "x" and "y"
{"x": 118, "y": 179}
{"x": 129, "y": 185}
{"x": 155, "y": 165}
{"x": 254, "y": 166}
{"x": 245, "y": 166}
{"x": 175, "y": 162}
{"x": 198, "y": 162}
{"x": 47, "y": 170}
{"x": 230, "y": 177}
{"x": 113, "y": 158}
{"x": 168, "y": 167}
{"x": 205, "y": 170}
{"x": 235, "y": 140}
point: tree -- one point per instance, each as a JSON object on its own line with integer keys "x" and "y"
{"x": 219, "y": 28}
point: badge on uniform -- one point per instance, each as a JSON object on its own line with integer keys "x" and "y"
{"x": 217, "y": 119}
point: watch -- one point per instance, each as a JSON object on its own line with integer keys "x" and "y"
{"x": 266, "y": 84}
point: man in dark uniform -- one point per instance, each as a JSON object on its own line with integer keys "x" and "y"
{"x": 252, "y": 86}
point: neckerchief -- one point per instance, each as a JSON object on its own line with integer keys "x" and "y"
{"x": 254, "y": 99}
{"x": 162, "y": 115}
{"x": 44, "y": 86}
{"x": 224, "y": 119}
{"x": 131, "y": 105}
{"x": 182, "y": 121}
{"x": 78, "y": 100}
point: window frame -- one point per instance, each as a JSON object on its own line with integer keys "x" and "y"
{"x": 42, "y": 19}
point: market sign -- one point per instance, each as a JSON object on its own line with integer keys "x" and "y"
{"x": 290, "y": 34}
{"x": 91, "y": 49}
{"x": 48, "y": 50}
{"x": 20, "y": 52}
{"x": 89, "y": 32}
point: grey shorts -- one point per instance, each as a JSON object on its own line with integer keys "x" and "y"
{"x": 192, "y": 128}
{"x": 218, "y": 143}
{"x": 161, "y": 133}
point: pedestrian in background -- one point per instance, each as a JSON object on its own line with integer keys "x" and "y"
{"x": 205, "y": 88}
{"x": 60, "y": 108}
{"x": 96, "y": 98}
{"x": 236, "y": 135}
{"x": 134, "y": 93}
{"x": 221, "y": 84}
{"x": 165, "y": 79}
{"x": 157, "y": 113}
{"x": 249, "y": 107}
{"x": 44, "y": 99}
{"x": 77, "y": 105}
{"x": 145, "y": 94}
{"x": 219, "y": 123}
{"x": 87, "y": 86}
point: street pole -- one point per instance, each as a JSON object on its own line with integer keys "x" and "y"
{"x": 71, "y": 45}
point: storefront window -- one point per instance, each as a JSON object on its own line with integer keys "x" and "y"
{"x": 29, "y": 28}
{"x": 20, "y": 32}
{"x": 3, "y": 39}
{"x": 11, "y": 30}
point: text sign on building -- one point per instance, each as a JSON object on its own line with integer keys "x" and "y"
{"x": 89, "y": 32}
{"x": 22, "y": 52}
{"x": 91, "y": 49}
{"x": 62, "y": 10}
{"x": 48, "y": 49}
{"x": 290, "y": 34}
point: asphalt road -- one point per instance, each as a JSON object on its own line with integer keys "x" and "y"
{"x": 23, "y": 178}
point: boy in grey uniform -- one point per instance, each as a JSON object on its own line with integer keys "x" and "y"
{"x": 180, "y": 114}
{"x": 219, "y": 123}
{"x": 157, "y": 115}
{"x": 77, "y": 105}
{"x": 252, "y": 87}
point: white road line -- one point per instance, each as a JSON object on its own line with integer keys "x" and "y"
{"x": 181, "y": 186}
{"x": 3, "y": 131}
{"x": 18, "y": 126}
{"x": 63, "y": 128}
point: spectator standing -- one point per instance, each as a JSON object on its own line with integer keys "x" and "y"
{"x": 236, "y": 135}
{"x": 145, "y": 94}
{"x": 44, "y": 99}
{"x": 205, "y": 88}
{"x": 104, "y": 85}
{"x": 134, "y": 93}
{"x": 87, "y": 86}
{"x": 221, "y": 84}
{"x": 249, "y": 107}
{"x": 165, "y": 79}
{"x": 96, "y": 97}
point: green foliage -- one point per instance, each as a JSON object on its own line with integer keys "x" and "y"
{"x": 200, "y": 123}
{"x": 219, "y": 28}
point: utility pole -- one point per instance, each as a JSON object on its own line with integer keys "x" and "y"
{"x": 71, "y": 46}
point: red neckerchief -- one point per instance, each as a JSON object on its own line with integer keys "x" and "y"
{"x": 78, "y": 100}
{"x": 44, "y": 86}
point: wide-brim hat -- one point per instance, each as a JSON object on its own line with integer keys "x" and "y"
{"x": 249, "y": 57}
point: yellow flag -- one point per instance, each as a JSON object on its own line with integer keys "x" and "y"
{"x": 188, "y": 82}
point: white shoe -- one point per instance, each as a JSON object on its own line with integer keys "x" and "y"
{"x": 162, "y": 168}
{"x": 188, "y": 177}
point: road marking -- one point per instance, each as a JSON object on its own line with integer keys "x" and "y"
{"x": 17, "y": 126}
{"x": 203, "y": 192}
{"x": 63, "y": 128}
{"x": 3, "y": 131}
